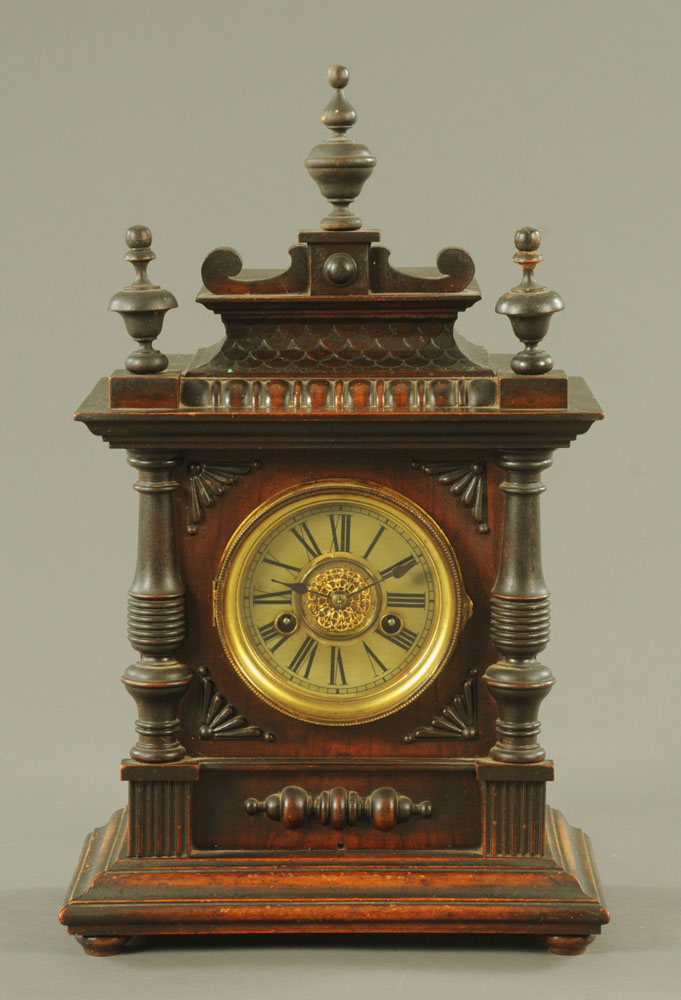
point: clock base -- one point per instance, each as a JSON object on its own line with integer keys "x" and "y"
{"x": 556, "y": 897}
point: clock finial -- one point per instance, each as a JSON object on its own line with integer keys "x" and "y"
{"x": 143, "y": 305}
{"x": 340, "y": 165}
{"x": 530, "y": 306}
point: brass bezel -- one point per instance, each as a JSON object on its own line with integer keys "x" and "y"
{"x": 453, "y": 606}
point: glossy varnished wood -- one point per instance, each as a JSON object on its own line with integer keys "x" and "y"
{"x": 477, "y": 864}
{"x": 103, "y": 945}
{"x": 200, "y": 556}
{"x": 556, "y": 896}
{"x": 240, "y": 817}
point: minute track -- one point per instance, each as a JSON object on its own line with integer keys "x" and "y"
{"x": 272, "y": 597}
{"x": 398, "y": 599}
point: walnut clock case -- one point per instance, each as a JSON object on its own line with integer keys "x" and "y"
{"x": 338, "y": 604}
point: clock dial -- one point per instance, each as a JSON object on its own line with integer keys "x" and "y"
{"x": 338, "y": 601}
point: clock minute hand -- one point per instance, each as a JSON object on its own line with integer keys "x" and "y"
{"x": 398, "y": 570}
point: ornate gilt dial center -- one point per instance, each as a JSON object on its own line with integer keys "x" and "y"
{"x": 340, "y": 599}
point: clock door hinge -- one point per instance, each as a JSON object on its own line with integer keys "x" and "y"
{"x": 214, "y": 598}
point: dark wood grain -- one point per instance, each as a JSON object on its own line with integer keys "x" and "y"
{"x": 554, "y": 896}
{"x": 240, "y": 817}
{"x": 493, "y": 817}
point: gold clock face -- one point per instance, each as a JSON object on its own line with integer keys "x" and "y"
{"x": 338, "y": 601}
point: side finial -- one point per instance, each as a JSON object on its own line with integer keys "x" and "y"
{"x": 142, "y": 305}
{"x": 340, "y": 166}
{"x": 529, "y": 307}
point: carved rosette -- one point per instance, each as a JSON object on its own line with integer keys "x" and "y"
{"x": 219, "y": 719}
{"x": 205, "y": 483}
{"x": 465, "y": 480}
{"x": 457, "y": 721}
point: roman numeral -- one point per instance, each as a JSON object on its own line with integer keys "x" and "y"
{"x": 402, "y": 600}
{"x": 373, "y": 659}
{"x": 340, "y": 543}
{"x": 270, "y": 635}
{"x": 305, "y": 655}
{"x": 281, "y": 565}
{"x": 403, "y": 639}
{"x": 401, "y": 567}
{"x": 337, "y": 674}
{"x": 306, "y": 539}
{"x": 272, "y": 597}
{"x": 375, "y": 539}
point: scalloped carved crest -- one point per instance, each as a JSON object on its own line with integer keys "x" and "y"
{"x": 205, "y": 483}
{"x": 465, "y": 480}
{"x": 458, "y": 720}
{"x": 219, "y": 719}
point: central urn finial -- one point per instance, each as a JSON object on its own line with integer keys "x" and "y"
{"x": 340, "y": 166}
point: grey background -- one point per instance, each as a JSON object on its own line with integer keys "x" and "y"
{"x": 194, "y": 119}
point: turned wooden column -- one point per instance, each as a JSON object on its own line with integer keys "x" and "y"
{"x": 519, "y": 612}
{"x": 156, "y": 613}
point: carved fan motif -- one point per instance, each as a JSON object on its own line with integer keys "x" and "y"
{"x": 219, "y": 719}
{"x": 467, "y": 481}
{"x": 458, "y": 719}
{"x": 207, "y": 482}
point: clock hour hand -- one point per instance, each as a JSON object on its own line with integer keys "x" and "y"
{"x": 300, "y": 588}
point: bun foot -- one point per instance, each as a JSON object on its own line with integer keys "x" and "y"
{"x": 568, "y": 944}
{"x": 102, "y": 946}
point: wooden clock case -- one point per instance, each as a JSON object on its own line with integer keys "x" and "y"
{"x": 319, "y": 379}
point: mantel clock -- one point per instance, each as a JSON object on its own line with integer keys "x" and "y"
{"x": 338, "y": 604}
